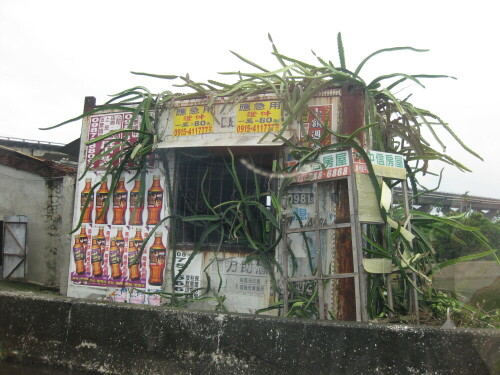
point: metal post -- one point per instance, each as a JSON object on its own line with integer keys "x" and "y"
{"x": 357, "y": 251}
{"x": 414, "y": 295}
{"x": 319, "y": 258}
{"x": 284, "y": 256}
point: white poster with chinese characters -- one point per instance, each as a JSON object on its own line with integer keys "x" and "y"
{"x": 246, "y": 287}
{"x": 189, "y": 282}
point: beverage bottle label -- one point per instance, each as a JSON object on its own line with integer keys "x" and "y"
{"x": 132, "y": 255}
{"x": 96, "y": 256}
{"x": 115, "y": 256}
{"x": 155, "y": 199}
{"x": 78, "y": 253}
{"x": 120, "y": 196}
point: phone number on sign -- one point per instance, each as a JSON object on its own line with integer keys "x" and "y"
{"x": 257, "y": 128}
{"x": 194, "y": 131}
{"x": 321, "y": 175}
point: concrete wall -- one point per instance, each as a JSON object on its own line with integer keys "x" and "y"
{"x": 66, "y": 201}
{"x": 48, "y": 205}
{"x": 125, "y": 339}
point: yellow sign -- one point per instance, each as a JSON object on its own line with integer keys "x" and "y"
{"x": 193, "y": 121}
{"x": 258, "y": 117}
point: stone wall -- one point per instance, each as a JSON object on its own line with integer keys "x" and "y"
{"x": 111, "y": 338}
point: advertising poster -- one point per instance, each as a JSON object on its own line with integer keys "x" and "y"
{"x": 106, "y": 123}
{"x": 190, "y": 280}
{"x": 317, "y": 119}
{"x": 258, "y": 117}
{"x": 109, "y": 242}
{"x": 193, "y": 120}
{"x": 384, "y": 164}
{"x": 329, "y": 166}
{"x": 336, "y": 164}
{"x": 245, "y": 285}
{"x": 106, "y": 251}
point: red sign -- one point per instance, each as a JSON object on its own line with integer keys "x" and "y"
{"x": 317, "y": 119}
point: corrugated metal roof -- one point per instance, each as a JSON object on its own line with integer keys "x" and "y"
{"x": 33, "y": 164}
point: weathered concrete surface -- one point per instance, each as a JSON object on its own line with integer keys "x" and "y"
{"x": 127, "y": 339}
{"x": 48, "y": 205}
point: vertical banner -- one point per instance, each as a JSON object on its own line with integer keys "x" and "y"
{"x": 104, "y": 124}
{"x": 315, "y": 122}
{"x": 189, "y": 282}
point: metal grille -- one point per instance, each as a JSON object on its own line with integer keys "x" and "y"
{"x": 203, "y": 183}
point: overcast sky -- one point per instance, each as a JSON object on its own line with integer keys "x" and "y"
{"x": 54, "y": 53}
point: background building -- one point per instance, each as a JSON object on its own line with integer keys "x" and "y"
{"x": 36, "y": 205}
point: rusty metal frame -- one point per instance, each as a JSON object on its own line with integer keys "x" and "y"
{"x": 358, "y": 274}
{"x": 360, "y": 283}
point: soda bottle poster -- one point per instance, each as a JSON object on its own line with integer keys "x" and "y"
{"x": 105, "y": 251}
{"x": 149, "y": 273}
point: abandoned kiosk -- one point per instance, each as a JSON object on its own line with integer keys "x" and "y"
{"x": 236, "y": 208}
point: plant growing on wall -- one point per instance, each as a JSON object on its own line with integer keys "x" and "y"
{"x": 391, "y": 124}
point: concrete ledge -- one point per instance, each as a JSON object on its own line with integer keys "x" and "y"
{"x": 123, "y": 339}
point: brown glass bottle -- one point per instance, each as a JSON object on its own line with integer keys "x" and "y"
{"x": 84, "y": 240}
{"x": 87, "y": 214}
{"x": 155, "y": 201}
{"x": 115, "y": 259}
{"x": 133, "y": 262}
{"x": 120, "y": 196}
{"x": 101, "y": 213}
{"x": 79, "y": 256}
{"x": 120, "y": 241}
{"x": 96, "y": 258}
{"x": 136, "y": 205}
{"x": 157, "y": 257}
{"x": 138, "y": 238}
{"x": 101, "y": 238}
